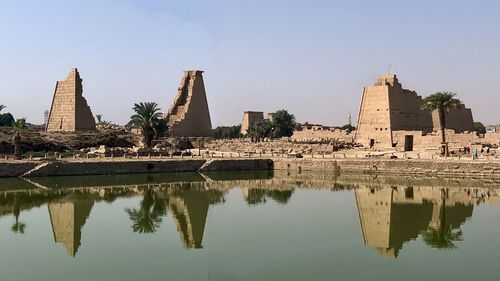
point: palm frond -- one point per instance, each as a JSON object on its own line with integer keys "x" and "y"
{"x": 440, "y": 101}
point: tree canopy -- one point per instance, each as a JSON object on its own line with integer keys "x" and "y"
{"x": 232, "y": 132}
{"x": 283, "y": 124}
{"x": 479, "y": 127}
{"x": 6, "y": 119}
{"x": 101, "y": 121}
{"x": 441, "y": 101}
{"x": 147, "y": 116}
{"x": 348, "y": 127}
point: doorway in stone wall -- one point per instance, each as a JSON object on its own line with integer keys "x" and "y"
{"x": 372, "y": 143}
{"x": 408, "y": 143}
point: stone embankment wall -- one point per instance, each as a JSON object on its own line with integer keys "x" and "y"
{"x": 60, "y": 168}
{"x": 81, "y": 168}
{"x": 451, "y": 168}
{"x": 457, "y": 168}
{"x": 238, "y": 165}
{"x": 15, "y": 169}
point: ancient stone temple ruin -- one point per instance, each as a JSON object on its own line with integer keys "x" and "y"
{"x": 250, "y": 118}
{"x": 188, "y": 116}
{"x": 390, "y": 117}
{"x": 69, "y": 111}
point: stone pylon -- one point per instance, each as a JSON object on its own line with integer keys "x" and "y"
{"x": 188, "y": 115}
{"x": 69, "y": 111}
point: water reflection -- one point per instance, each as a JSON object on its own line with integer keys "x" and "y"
{"x": 17, "y": 227}
{"x": 390, "y": 216}
{"x": 67, "y": 217}
{"x": 392, "y": 211}
{"x": 189, "y": 207}
{"x": 255, "y": 196}
{"x": 147, "y": 218}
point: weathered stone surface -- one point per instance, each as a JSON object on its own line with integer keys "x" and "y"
{"x": 250, "y": 118}
{"x": 78, "y": 168}
{"x": 237, "y": 165}
{"x": 69, "y": 111}
{"x": 387, "y": 107}
{"x": 400, "y": 167}
{"x": 15, "y": 169}
{"x": 90, "y": 167}
{"x": 188, "y": 115}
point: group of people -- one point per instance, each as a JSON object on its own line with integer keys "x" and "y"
{"x": 476, "y": 151}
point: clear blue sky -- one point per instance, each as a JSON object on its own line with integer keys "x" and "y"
{"x": 310, "y": 57}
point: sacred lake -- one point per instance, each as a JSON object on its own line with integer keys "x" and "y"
{"x": 252, "y": 225}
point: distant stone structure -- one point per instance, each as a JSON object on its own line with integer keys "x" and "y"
{"x": 315, "y": 132}
{"x": 492, "y": 128}
{"x": 390, "y": 117}
{"x": 270, "y": 116}
{"x": 250, "y": 118}
{"x": 188, "y": 115}
{"x": 69, "y": 111}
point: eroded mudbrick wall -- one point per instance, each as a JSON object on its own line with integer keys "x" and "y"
{"x": 69, "y": 111}
{"x": 319, "y": 133}
{"x": 250, "y": 118}
{"x": 188, "y": 115}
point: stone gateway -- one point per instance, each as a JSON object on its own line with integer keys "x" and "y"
{"x": 69, "y": 111}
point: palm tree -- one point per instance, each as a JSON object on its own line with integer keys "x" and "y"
{"x": 100, "y": 121}
{"x": 17, "y": 227}
{"x": 16, "y": 140}
{"x": 147, "y": 116}
{"x": 2, "y": 107}
{"x": 442, "y": 237}
{"x": 442, "y": 102}
{"x": 147, "y": 218}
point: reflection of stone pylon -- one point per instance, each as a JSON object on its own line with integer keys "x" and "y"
{"x": 389, "y": 218}
{"x": 67, "y": 218}
{"x": 189, "y": 211}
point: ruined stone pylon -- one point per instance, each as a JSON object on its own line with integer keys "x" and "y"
{"x": 188, "y": 116}
{"x": 69, "y": 111}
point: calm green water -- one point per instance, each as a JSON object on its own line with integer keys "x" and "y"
{"x": 248, "y": 226}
